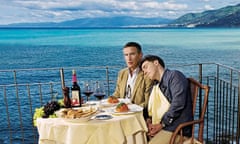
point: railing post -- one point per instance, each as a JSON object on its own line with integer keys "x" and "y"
{"x": 62, "y": 77}
{"x": 200, "y": 92}
{"x": 200, "y": 73}
{"x": 62, "y": 80}
{"x": 107, "y": 78}
{"x": 18, "y": 103}
{"x": 217, "y": 102}
{"x": 238, "y": 119}
{"x": 230, "y": 102}
{"x": 7, "y": 111}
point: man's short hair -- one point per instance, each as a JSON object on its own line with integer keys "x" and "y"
{"x": 134, "y": 44}
{"x": 152, "y": 58}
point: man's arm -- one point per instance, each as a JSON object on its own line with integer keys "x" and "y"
{"x": 178, "y": 86}
{"x": 119, "y": 85}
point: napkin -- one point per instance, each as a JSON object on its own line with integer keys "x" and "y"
{"x": 157, "y": 105}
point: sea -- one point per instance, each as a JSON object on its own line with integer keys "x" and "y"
{"x": 46, "y": 48}
{"x": 33, "y": 48}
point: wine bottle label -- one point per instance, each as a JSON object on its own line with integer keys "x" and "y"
{"x": 75, "y": 98}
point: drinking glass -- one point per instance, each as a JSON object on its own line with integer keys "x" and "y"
{"x": 99, "y": 92}
{"x": 88, "y": 89}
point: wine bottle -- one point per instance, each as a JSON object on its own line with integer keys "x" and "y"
{"x": 76, "y": 91}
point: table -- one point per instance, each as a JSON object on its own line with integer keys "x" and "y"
{"x": 121, "y": 129}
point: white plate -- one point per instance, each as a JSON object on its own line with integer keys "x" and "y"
{"x": 123, "y": 113}
{"x": 103, "y": 117}
{"x": 60, "y": 114}
{"x": 78, "y": 120}
{"x": 135, "y": 108}
{"x": 105, "y": 103}
{"x": 86, "y": 108}
{"x": 125, "y": 100}
{"x": 92, "y": 103}
{"x": 132, "y": 109}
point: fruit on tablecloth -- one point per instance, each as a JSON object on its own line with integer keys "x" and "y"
{"x": 112, "y": 99}
{"x": 51, "y": 107}
{"x": 122, "y": 107}
{"x": 46, "y": 111}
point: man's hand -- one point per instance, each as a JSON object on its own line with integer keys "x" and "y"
{"x": 153, "y": 129}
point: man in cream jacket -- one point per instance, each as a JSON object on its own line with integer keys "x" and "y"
{"x": 131, "y": 82}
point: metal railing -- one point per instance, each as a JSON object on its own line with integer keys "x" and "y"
{"x": 23, "y": 90}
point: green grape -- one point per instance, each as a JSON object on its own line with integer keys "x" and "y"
{"x": 61, "y": 103}
{"x": 37, "y": 114}
{"x": 53, "y": 116}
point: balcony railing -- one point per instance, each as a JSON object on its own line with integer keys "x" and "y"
{"x": 23, "y": 90}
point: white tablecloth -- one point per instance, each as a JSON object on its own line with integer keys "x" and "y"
{"x": 121, "y": 129}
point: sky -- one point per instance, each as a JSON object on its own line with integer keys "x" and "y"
{"x": 33, "y": 11}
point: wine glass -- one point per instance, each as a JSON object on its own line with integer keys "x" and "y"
{"x": 99, "y": 92}
{"x": 88, "y": 89}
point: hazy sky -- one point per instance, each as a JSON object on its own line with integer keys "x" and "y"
{"x": 18, "y": 11}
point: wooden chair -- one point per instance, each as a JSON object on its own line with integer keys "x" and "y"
{"x": 196, "y": 90}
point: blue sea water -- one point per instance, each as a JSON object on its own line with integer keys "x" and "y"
{"x": 31, "y": 48}
{"x": 48, "y": 48}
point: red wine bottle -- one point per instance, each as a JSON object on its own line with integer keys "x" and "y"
{"x": 76, "y": 91}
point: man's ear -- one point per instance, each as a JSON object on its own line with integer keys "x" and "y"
{"x": 155, "y": 62}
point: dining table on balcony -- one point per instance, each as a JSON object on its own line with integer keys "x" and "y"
{"x": 120, "y": 128}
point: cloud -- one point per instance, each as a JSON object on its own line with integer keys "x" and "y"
{"x": 208, "y": 7}
{"x": 61, "y": 10}
{"x": 104, "y": 5}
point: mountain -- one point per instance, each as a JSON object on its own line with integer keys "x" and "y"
{"x": 123, "y": 21}
{"x": 224, "y": 17}
{"x": 116, "y": 22}
{"x": 228, "y": 16}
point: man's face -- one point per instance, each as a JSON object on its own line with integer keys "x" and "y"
{"x": 132, "y": 57}
{"x": 149, "y": 69}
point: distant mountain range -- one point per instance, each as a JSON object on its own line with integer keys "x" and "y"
{"x": 110, "y": 22}
{"x": 224, "y": 17}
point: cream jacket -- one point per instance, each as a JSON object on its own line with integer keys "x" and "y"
{"x": 142, "y": 88}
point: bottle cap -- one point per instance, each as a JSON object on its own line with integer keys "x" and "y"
{"x": 74, "y": 72}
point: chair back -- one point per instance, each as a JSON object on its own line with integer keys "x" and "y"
{"x": 197, "y": 91}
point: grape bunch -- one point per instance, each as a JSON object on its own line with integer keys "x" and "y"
{"x": 50, "y": 108}
{"x": 47, "y": 111}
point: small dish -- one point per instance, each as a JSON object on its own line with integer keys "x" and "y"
{"x": 103, "y": 117}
